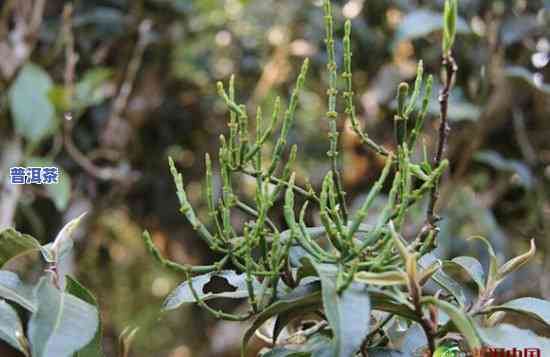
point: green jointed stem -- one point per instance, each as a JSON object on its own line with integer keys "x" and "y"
{"x": 187, "y": 210}
{"x": 212, "y": 210}
{"x": 416, "y": 90}
{"x": 175, "y": 267}
{"x": 363, "y": 211}
{"x": 421, "y": 115}
{"x": 348, "y": 95}
{"x": 332, "y": 114}
{"x": 260, "y": 140}
{"x": 288, "y": 119}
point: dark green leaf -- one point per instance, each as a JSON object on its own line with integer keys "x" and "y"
{"x": 62, "y": 325}
{"x": 13, "y": 244}
{"x": 535, "y": 308}
{"x": 471, "y": 266}
{"x": 443, "y": 280}
{"x": 348, "y": 312}
{"x": 301, "y": 297}
{"x": 509, "y": 337}
{"x": 461, "y": 320}
{"x": 13, "y": 289}
{"x": 283, "y": 319}
{"x": 183, "y": 295}
{"x": 414, "y": 341}
{"x": 11, "y": 330}
{"x": 73, "y": 287}
{"x": 32, "y": 111}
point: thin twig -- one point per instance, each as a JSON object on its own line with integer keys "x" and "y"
{"x": 450, "y": 71}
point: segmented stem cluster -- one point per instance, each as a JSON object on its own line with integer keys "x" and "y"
{"x": 261, "y": 248}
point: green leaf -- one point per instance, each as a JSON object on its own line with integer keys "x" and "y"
{"x": 59, "y": 193}
{"x": 14, "y": 244}
{"x": 537, "y": 309}
{"x": 183, "y": 295}
{"x": 301, "y": 297}
{"x": 471, "y": 266}
{"x": 63, "y": 323}
{"x": 73, "y": 287}
{"x": 449, "y": 27}
{"x": 13, "y": 289}
{"x": 509, "y": 337}
{"x": 461, "y": 320}
{"x": 443, "y": 280}
{"x": 387, "y": 278}
{"x": 414, "y": 341}
{"x": 11, "y": 330}
{"x": 347, "y": 312}
{"x": 31, "y": 109}
{"x": 385, "y": 301}
{"x": 493, "y": 262}
{"x": 63, "y": 242}
{"x": 283, "y": 319}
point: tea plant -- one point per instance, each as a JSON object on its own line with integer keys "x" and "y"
{"x": 63, "y": 319}
{"x": 357, "y": 288}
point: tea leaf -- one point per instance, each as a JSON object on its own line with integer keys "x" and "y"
{"x": 93, "y": 349}
{"x": 183, "y": 295}
{"x": 462, "y": 321}
{"x": 535, "y": 308}
{"x": 62, "y": 324}
{"x": 11, "y": 329}
{"x": 14, "y": 244}
{"x": 388, "y": 278}
{"x": 348, "y": 312}
{"x": 13, "y": 289}
{"x": 300, "y": 297}
{"x": 471, "y": 266}
{"x": 510, "y": 337}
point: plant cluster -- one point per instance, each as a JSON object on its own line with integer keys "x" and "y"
{"x": 62, "y": 315}
{"x": 352, "y": 285}
{"x": 342, "y": 288}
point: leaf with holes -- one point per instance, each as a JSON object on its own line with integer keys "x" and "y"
{"x": 236, "y": 290}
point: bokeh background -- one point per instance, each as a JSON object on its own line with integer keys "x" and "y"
{"x": 143, "y": 75}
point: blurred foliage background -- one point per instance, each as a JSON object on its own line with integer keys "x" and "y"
{"x": 107, "y": 89}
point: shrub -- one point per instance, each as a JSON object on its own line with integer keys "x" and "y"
{"x": 342, "y": 288}
{"x": 355, "y": 287}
